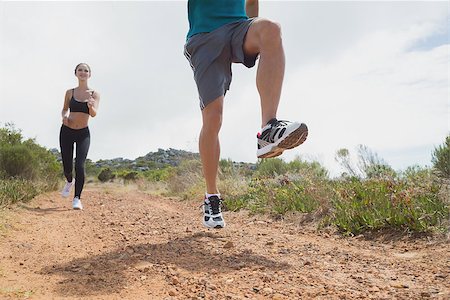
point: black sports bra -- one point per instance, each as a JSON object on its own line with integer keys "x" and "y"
{"x": 77, "y": 106}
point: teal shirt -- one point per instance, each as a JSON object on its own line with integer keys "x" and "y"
{"x": 208, "y": 15}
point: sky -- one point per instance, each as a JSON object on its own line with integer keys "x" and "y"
{"x": 357, "y": 72}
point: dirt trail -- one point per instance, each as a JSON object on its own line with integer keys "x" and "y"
{"x": 130, "y": 245}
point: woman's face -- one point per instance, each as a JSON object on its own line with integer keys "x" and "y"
{"x": 82, "y": 72}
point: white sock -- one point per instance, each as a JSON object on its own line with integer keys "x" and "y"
{"x": 209, "y": 195}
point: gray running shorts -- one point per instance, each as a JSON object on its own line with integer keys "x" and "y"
{"x": 211, "y": 55}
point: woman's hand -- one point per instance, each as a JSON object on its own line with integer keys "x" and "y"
{"x": 90, "y": 102}
{"x": 65, "y": 121}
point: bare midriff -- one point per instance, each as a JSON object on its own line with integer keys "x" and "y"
{"x": 78, "y": 120}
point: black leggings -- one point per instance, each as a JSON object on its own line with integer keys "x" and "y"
{"x": 81, "y": 137}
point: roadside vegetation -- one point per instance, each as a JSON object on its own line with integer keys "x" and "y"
{"x": 26, "y": 169}
{"x": 369, "y": 195}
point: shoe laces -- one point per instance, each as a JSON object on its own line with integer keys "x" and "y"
{"x": 274, "y": 126}
{"x": 280, "y": 123}
{"x": 214, "y": 205}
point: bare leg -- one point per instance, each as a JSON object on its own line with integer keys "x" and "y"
{"x": 264, "y": 37}
{"x": 209, "y": 143}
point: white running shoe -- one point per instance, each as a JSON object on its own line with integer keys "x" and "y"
{"x": 66, "y": 190}
{"x": 212, "y": 217}
{"x": 76, "y": 204}
{"x": 278, "y": 136}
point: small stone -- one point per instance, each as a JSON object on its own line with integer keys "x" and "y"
{"x": 228, "y": 245}
{"x": 175, "y": 280}
{"x": 172, "y": 292}
{"x": 425, "y": 294}
{"x": 283, "y": 251}
{"x": 400, "y": 286}
{"x": 143, "y": 266}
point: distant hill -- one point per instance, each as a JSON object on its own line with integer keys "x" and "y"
{"x": 152, "y": 160}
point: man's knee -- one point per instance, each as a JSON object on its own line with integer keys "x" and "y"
{"x": 212, "y": 121}
{"x": 212, "y": 116}
{"x": 263, "y": 33}
{"x": 270, "y": 30}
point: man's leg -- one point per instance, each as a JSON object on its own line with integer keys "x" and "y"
{"x": 264, "y": 37}
{"x": 210, "y": 153}
{"x": 209, "y": 143}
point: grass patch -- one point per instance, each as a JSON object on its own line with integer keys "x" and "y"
{"x": 361, "y": 205}
{"x": 411, "y": 201}
{"x": 18, "y": 190}
{"x": 280, "y": 195}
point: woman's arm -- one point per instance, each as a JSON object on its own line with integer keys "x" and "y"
{"x": 93, "y": 102}
{"x": 65, "y": 110}
{"x": 252, "y": 9}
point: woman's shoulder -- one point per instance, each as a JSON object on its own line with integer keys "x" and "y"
{"x": 69, "y": 93}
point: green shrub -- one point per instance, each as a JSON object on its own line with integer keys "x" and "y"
{"x": 226, "y": 166}
{"x": 379, "y": 171}
{"x": 19, "y": 190}
{"x": 271, "y": 167}
{"x": 187, "y": 180}
{"x": 91, "y": 168}
{"x": 128, "y": 176}
{"x": 360, "y": 205}
{"x": 310, "y": 169}
{"x": 156, "y": 175}
{"x": 278, "y": 196}
{"x": 441, "y": 158}
{"x": 10, "y": 135}
{"x": 106, "y": 175}
{"x": 17, "y": 161}
{"x": 26, "y": 168}
{"x": 26, "y": 159}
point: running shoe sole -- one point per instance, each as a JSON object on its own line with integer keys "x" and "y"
{"x": 296, "y": 138}
{"x": 215, "y": 227}
{"x": 292, "y": 140}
